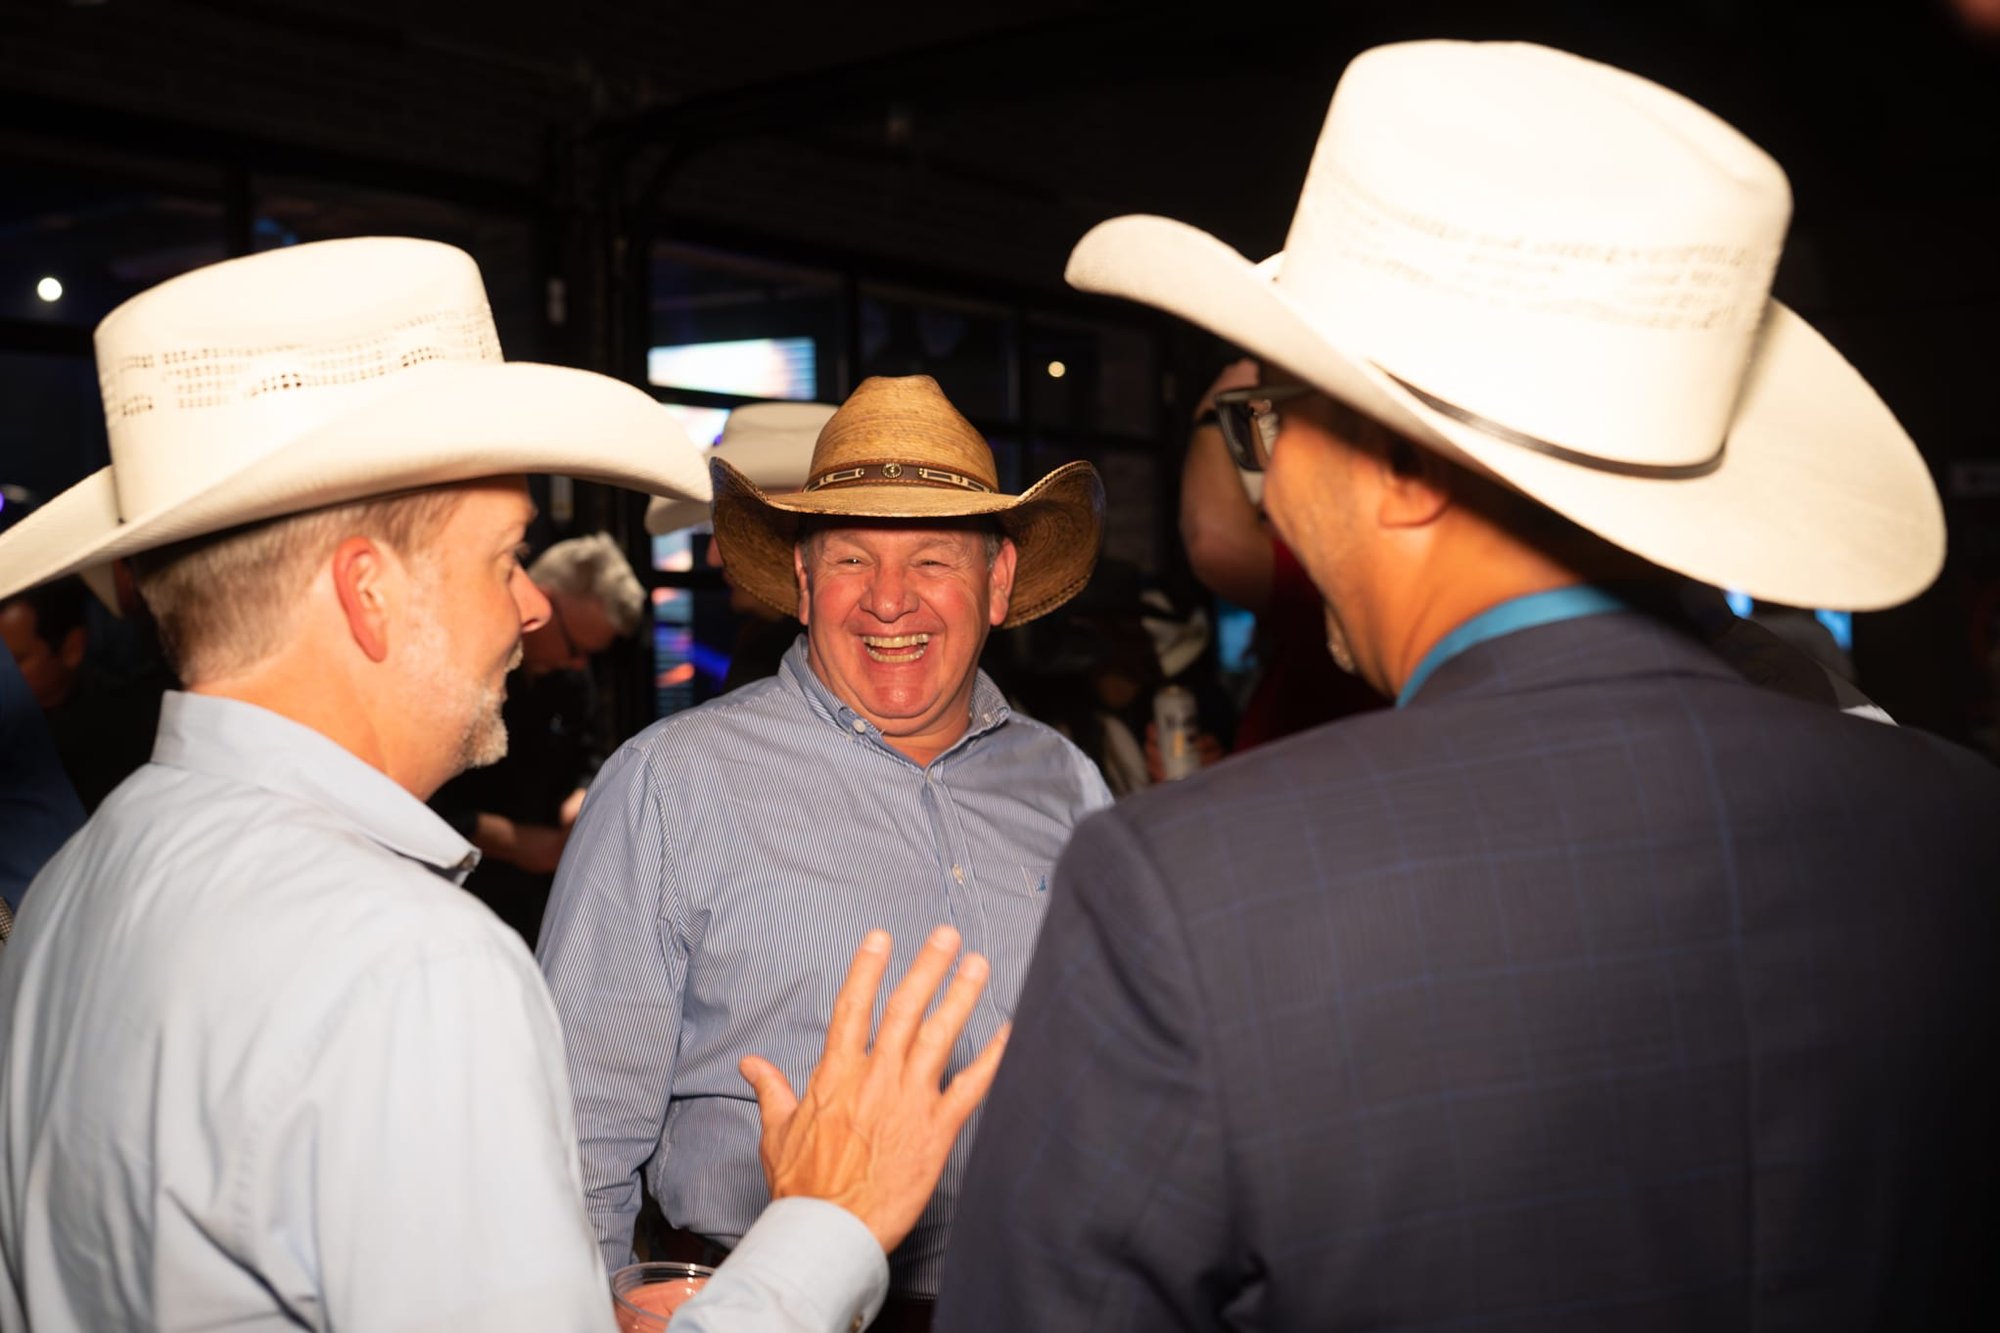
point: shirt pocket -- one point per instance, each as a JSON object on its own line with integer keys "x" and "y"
{"x": 1034, "y": 881}
{"x": 1013, "y": 919}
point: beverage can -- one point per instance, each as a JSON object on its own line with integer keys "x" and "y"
{"x": 1177, "y": 727}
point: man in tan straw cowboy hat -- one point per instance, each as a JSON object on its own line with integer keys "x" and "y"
{"x": 263, "y": 1063}
{"x": 727, "y": 855}
{"x": 1593, "y": 986}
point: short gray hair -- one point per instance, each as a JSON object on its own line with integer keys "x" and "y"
{"x": 225, "y": 602}
{"x": 596, "y": 569}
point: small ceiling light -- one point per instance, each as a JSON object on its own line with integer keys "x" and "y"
{"x": 49, "y": 289}
{"x": 1057, "y": 370}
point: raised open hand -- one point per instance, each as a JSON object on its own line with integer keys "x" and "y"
{"x": 874, "y": 1128}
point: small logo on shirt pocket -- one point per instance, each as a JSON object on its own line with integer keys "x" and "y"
{"x": 1035, "y": 879}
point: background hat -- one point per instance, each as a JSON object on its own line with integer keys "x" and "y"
{"x": 770, "y": 443}
{"x": 1179, "y": 636}
{"x": 320, "y": 374}
{"x": 898, "y": 449}
{"x": 1560, "y": 273}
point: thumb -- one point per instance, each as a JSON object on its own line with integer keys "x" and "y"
{"x": 775, "y": 1099}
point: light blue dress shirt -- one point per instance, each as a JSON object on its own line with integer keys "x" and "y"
{"x": 266, "y": 1066}
{"x": 726, "y": 864}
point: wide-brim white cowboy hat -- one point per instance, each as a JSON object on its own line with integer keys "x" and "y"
{"x": 897, "y": 450}
{"x": 770, "y": 443}
{"x": 321, "y": 374}
{"x": 1560, "y": 273}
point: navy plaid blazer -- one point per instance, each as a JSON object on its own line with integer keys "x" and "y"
{"x": 1596, "y": 989}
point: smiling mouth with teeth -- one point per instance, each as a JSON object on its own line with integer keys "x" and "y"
{"x": 895, "y": 647}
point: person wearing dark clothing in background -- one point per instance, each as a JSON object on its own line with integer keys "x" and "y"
{"x": 102, "y": 725}
{"x": 518, "y": 812}
{"x": 38, "y": 807}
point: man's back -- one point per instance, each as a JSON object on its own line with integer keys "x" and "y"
{"x": 1595, "y": 989}
{"x": 261, "y": 1062}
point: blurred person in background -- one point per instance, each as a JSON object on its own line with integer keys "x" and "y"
{"x": 38, "y": 806}
{"x": 102, "y": 726}
{"x": 518, "y": 812}
{"x": 1237, "y": 557}
{"x": 772, "y": 444}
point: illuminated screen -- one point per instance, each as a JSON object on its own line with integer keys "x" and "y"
{"x": 752, "y": 367}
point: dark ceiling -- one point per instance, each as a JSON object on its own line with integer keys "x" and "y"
{"x": 1205, "y": 112}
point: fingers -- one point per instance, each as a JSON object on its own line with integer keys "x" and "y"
{"x": 913, "y": 993}
{"x": 966, "y": 1090}
{"x": 931, "y": 1051}
{"x": 775, "y": 1099}
{"x": 854, "y": 1006}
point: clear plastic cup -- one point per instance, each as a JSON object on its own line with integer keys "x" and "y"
{"x": 645, "y": 1296}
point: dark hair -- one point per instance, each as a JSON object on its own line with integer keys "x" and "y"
{"x": 58, "y": 608}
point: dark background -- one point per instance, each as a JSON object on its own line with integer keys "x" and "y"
{"x": 902, "y": 183}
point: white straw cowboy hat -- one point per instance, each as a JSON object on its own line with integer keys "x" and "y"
{"x": 320, "y": 374}
{"x": 898, "y": 449}
{"x": 770, "y": 443}
{"x": 1560, "y": 273}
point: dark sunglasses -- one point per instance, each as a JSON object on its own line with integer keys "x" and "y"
{"x": 1249, "y": 421}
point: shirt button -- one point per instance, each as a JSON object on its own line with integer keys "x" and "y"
{"x": 859, "y": 726}
{"x": 958, "y": 873}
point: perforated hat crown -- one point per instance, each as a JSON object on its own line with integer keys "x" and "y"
{"x": 320, "y": 374}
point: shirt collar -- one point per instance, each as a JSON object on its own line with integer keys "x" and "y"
{"x": 989, "y": 705}
{"x": 1511, "y": 616}
{"x": 241, "y": 742}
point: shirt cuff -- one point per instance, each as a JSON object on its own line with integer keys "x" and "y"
{"x": 805, "y": 1265}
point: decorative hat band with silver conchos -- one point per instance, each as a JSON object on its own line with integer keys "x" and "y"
{"x": 905, "y": 474}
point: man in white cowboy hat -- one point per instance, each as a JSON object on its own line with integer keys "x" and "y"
{"x": 1594, "y": 986}
{"x": 772, "y": 445}
{"x": 727, "y": 854}
{"x": 263, "y": 1064}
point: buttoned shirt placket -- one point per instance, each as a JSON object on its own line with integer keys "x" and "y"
{"x": 958, "y": 876}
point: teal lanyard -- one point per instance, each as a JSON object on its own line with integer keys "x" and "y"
{"x": 1539, "y": 608}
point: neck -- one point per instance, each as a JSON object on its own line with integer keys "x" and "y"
{"x": 1438, "y": 615}
{"x": 329, "y": 703}
{"x": 1473, "y": 567}
{"x": 920, "y": 750}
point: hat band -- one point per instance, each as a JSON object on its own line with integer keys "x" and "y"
{"x": 1508, "y": 435}
{"x": 896, "y": 474}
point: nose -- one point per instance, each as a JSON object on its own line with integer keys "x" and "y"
{"x": 530, "y": 601}
{"x": 889, "y": 594}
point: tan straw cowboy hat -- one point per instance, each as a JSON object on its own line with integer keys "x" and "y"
{"x": 898, "y": 449}
{"x": 317, "y": 375}
{"x": 1560, "y": 273}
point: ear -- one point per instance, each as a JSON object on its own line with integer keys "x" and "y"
{"x": 1000, "y": 586}
{"x": 70, "y": 654}
{"x": 362, "y": 572}
{"x": 1413, "y": 490}
{"x": 805, "y": 583}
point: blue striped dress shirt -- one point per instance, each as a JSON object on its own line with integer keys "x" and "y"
{"x": 728, "y": 861}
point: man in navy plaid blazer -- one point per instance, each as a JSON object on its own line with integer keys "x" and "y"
{"x": 1592, "y": 986}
